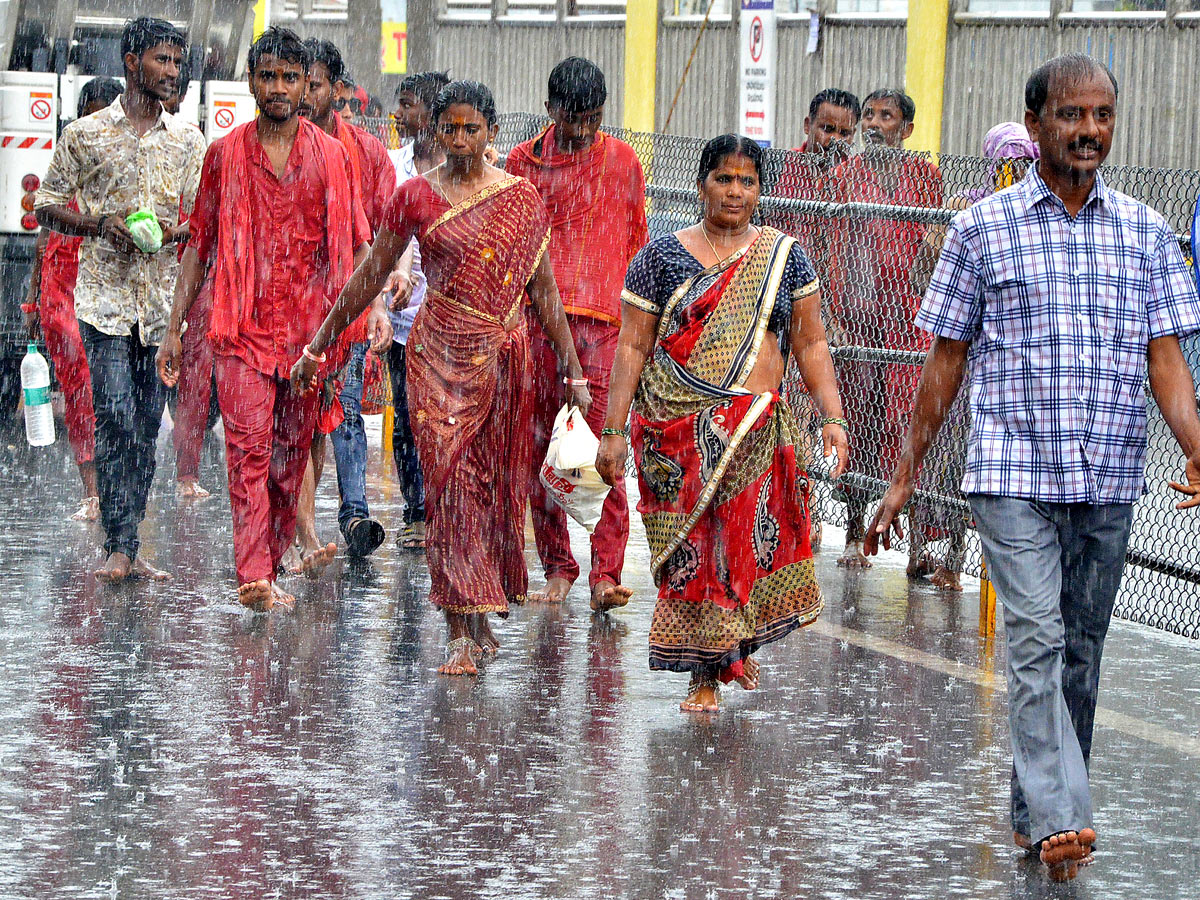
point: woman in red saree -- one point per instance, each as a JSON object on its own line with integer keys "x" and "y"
{"x": 483, "y": 237}
{"x": 711, "y": 313}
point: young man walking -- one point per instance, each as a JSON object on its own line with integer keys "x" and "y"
{"x": 282, "y": 226}
{"x": 129, "y": 155}
{"x": 594, "y": 190}
{"x": 1061, "y": 295}
{"x": 375, "y": 179}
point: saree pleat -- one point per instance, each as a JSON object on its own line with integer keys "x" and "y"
{"x": 724, "y": 498}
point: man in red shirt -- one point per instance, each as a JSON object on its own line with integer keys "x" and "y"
{"x": 871, "y": 297}
{"x": 593, "y": 188}
{"x": 283, "y": 227}
{"x": 373, "y": 174}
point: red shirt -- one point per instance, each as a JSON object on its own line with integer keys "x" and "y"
{"x": 872, "y": 259}
{"x": 291, "y": 265}
{"x": 597, "y": 205}
{"x": 378, "y": 176}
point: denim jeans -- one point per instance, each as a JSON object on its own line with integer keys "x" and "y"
{"x": 1056, "y": 568}
{"x": 404, "y": 447}
{"x": 128, "y": 400}
{"x": 350, "y": 443}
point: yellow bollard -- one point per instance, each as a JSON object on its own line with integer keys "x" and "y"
{"x": 389, "y": 424}
{"x": 987, "y": 605}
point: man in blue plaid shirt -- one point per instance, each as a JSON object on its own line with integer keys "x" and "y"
{"x": 1060, "y": 294}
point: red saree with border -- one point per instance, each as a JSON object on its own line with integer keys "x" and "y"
{"x": 468, "y": 390}
{"x": 724, "y": 498}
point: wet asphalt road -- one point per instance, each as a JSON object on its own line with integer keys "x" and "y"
{"x": 157, "y": 741}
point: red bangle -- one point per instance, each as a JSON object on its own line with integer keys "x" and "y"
{"x": 29, "y": 307}
{"x": 309, "y": 355}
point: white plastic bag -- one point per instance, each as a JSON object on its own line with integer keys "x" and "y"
{"x": 569, "y": 470}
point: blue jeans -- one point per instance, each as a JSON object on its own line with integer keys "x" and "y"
{"x": 350, "y": 443}
{"x": 1056, "y": 568}
{"x": 128, "y": 399}
{"x": 404, "y": 447}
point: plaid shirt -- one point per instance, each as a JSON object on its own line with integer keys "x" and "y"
{"x": 1059, "y": 312}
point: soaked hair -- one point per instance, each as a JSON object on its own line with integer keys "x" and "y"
{"x": 327, "y": 54}
{"x": 425, "y": 86}
{"x": 576, "y": 84}
{"x": 726, "y": 145}
{"x": 143, "y": 33}
{"x": 282, "y": 43}
{"x": 474, "y": 94}
{"x": 905, "y": 103}
{"x": 98, "y": 90}
{"x": 835, "y": 97}
{"x": 1074, "y": 67}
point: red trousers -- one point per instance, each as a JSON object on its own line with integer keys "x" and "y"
{"x": 596, "y": 344}
{"x": 195, "y": 386}
{"x": 268, "y": 431}
{"x": 60, "y": 328}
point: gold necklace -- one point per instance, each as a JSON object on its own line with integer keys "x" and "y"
{"x": 437, "y": 176}
{"x": 717, "y": 256}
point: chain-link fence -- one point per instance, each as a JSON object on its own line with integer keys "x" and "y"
{"x": 873, "y": 235}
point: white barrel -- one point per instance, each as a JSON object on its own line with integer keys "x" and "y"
{"x": 35, "y": 384}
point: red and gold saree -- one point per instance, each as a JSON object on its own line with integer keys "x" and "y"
{"x": 468, "y": 379}
{"x": 723, "y": 497}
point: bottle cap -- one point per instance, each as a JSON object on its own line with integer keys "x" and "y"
{"x": 33, "y": 347}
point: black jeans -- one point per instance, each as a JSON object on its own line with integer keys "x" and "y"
{"x": 404, "y": 448}
{"x": 128, "y": 399}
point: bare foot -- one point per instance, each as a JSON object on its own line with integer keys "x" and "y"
{"x": 1062, "y": 853}
{"x": 89, "y": 510}
{"x": 292, "y": 563}
{"x": 314, "y": 563}
{"x": 702, "y": 696}
{"x": 919, "y": 566}
{"x": 606, "y": 596}
{"x": 143, "y": 569}
{"x": 255, "y": 594}
{"x": 189, "y": 489}
{"x": 852, "y": 557}
{"x": 749, "y": 679}
{"x": 481, "y": 631}
{"x": 459, "y": 659}
{"x": 945, "y": 579}
{"x": 280, "y": 597}
{"x": 554, "y": 592}
{"x": 115, "y": 569}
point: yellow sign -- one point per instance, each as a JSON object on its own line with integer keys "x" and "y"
{"x": 395, "y": 48}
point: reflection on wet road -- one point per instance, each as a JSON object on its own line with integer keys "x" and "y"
{"x": 156, "y": 741}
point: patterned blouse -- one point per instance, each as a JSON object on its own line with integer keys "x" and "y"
{"x": 664, "y": 264}
{"x": 101, "y": 160}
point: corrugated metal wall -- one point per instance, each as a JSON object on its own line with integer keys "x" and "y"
{"x": 515, "y": 60}
{"x": 987, "y": 63}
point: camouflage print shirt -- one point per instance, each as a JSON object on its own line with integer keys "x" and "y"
{"x": 102, "y": 161}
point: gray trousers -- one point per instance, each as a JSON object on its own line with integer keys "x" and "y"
{"x": 1056, "y": 568}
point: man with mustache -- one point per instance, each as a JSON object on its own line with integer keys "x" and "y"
{"x": 871, "y": 298}
{"x": 281, "y": 224}
{"x": 129, "y": 155}
{"x": 593, "y": 188}
{"x": 1060, "y": 295}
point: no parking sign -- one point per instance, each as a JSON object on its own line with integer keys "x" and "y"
{"x": 756, "y": 71}
{"x": 41, "y": 106}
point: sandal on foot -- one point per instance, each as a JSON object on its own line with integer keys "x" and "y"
{"x": 89, "y": 510}
{"x": 363, "y": 536}
{"x": 412, "y": 537}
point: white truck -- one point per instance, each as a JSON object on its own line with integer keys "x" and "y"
{"x": 48, "y": 50}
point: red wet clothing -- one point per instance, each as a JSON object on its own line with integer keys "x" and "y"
{"x": 56, "y": 310}
{"x": 597, "y": 205}
{"x": 377, "y": 174}
{"x": 291, "y": 265}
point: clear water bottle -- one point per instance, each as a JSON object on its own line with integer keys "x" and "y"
{"x": 35, "y": 382}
